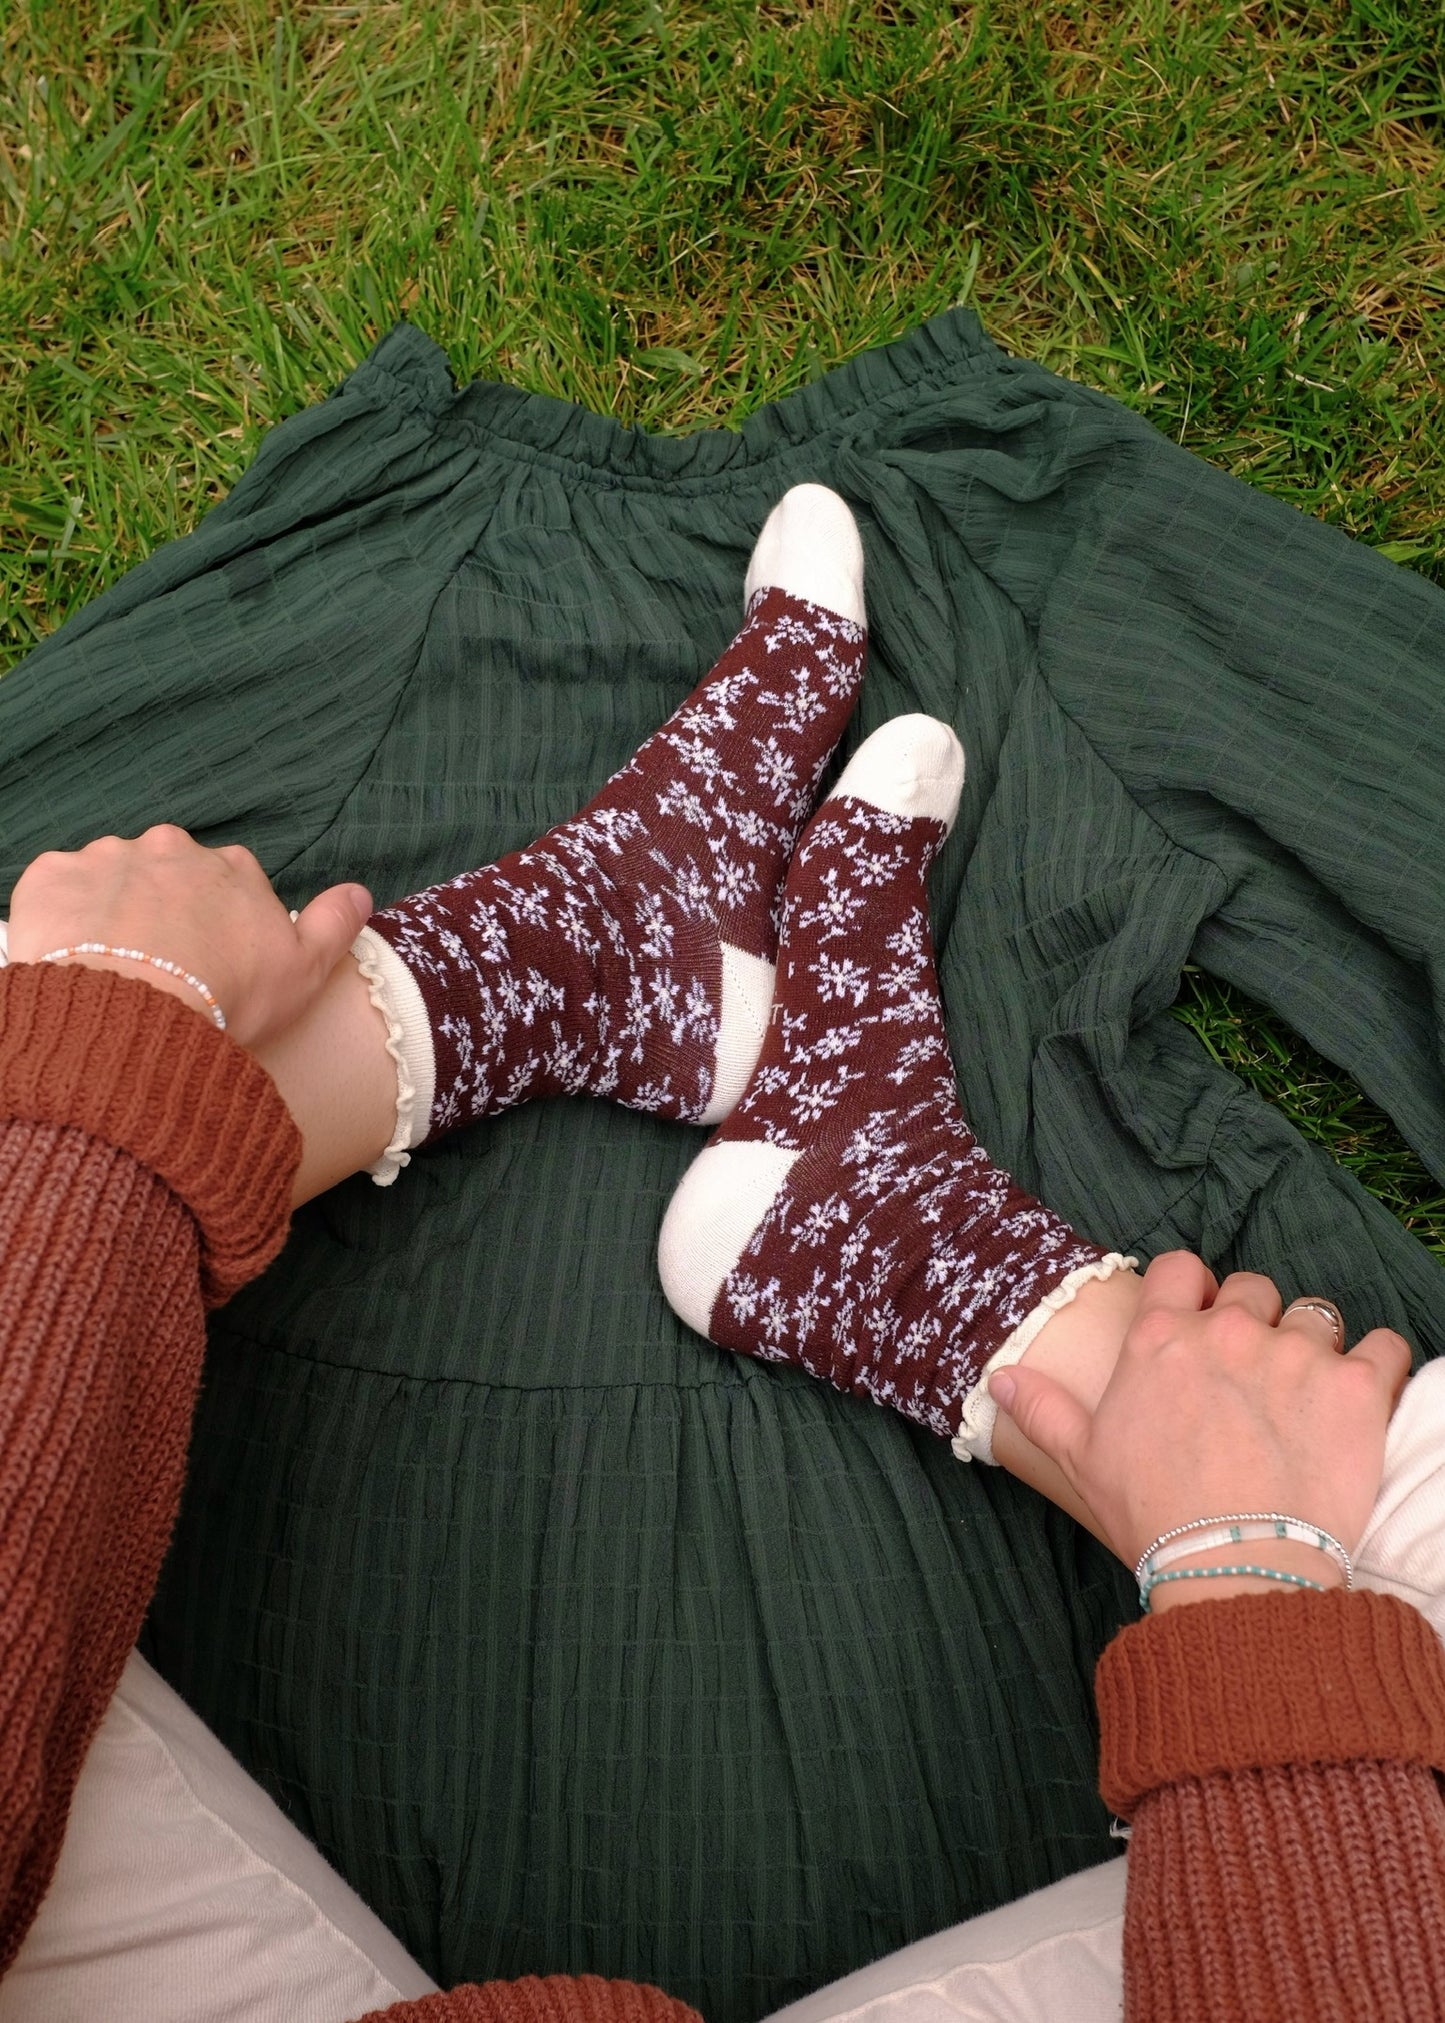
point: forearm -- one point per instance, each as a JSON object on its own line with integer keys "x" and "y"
{"x": 145, "y": 1167}
{"x": 101, "y": 1325}
{"x": 1290, "y": 1892}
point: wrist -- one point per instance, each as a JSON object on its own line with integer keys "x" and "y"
{"x": 160, "y": 974}
{"x": 1279, "y": 1556}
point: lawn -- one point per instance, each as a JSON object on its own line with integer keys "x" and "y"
{"x": 1230, "y": 217}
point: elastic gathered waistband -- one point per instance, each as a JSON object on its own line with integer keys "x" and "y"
{"x": 407, "y": 368}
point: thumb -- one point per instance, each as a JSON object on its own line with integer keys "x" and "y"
{"x": 329, "y": 925}
{"x": 1043, "y": 1411}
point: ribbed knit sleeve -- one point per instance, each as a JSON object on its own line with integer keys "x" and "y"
{"x": 1278, "y": 1758}
{"x": 138, "y": 1069}
{"x": 558, "y": 1998}
{"x": 142, "y": 1156}
{"x": 138, "y": 1148}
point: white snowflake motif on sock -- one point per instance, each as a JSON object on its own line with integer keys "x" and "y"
{"x": 622, "y": 911}
{"x": 936, "y": 1254}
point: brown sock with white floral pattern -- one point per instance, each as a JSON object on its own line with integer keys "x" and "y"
{"x": 845, "y": 1218}
{"x": 630, "y": 952}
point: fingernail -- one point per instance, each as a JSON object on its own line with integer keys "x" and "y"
{"x": 1002, "y": 1387}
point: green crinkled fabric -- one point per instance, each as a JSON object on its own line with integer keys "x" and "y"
{"x": 575, "y": 1643}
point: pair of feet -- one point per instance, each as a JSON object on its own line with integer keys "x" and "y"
{"x": 686, "y": 945}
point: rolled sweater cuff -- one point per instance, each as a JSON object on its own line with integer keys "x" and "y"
{"x": 134, "y": 1067}
{"x": 1264, "y": 1680}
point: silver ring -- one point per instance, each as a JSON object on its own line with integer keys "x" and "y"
{"x": 1326, "y": 1307}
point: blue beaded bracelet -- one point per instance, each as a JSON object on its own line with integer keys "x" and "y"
{"x": 1218, "y": 1572}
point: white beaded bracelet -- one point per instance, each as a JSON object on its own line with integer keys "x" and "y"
{"x": 1229, "y": 1530}
{"x": 155, "y": 962}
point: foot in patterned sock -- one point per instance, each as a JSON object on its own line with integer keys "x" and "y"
{"x": 844, "y": 1218}
{"x": 630, "y": 952}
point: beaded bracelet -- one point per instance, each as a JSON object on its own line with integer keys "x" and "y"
{"x": 1148, "y": 1586}
{"x": 1237, "y": 1527}
{"x": 155, "y": 961}
{"x": 1236, "y": 1532}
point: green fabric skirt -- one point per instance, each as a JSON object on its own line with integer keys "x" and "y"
{"x": 575, "y": 1643}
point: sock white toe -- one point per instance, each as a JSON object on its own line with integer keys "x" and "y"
{"x": 912, "y": 765}
{"x": 810, "y": 547}
{"x": 724, "y": 1195}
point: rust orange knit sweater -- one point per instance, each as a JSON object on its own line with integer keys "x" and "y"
{"x": 1277, "y": 1755}
{"x": 145, "y": 1173}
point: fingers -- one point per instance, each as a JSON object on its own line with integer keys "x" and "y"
{"x": 1178, "y": 1280}
{"x": 329, "y": 925}
{"x": 1252, "y": 1293}
{"x": 1315, "y": 1320}
{"x": 1177, "y": 1283}
{"x": 1387, "y": 1355}
{"x": 240, "y": 859}
{"x": 1044, "y": 1412}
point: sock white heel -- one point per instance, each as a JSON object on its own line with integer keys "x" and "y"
{"x": 747, "y": 1004}
{"x": 724, "y": 1195}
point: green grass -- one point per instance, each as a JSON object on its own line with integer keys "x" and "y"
{"x": 1230, "y": 216}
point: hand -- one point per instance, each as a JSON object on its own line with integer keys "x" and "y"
{"x": 1218, "y": 1405}
{"x": 210, "y": 911}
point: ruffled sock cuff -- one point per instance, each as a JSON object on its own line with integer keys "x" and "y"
{"x": 974, "y": 1439}
{"x": 394, "y": 991}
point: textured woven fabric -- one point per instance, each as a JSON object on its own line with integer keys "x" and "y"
{"x": 574, "y": 1642}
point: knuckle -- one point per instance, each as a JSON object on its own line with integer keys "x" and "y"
{"x": 1234, "y": 1330}
{"x": 1153, "y": 1328}
{"x": 1394, "y": 1351}
{"x": 1360, "y": 1377}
